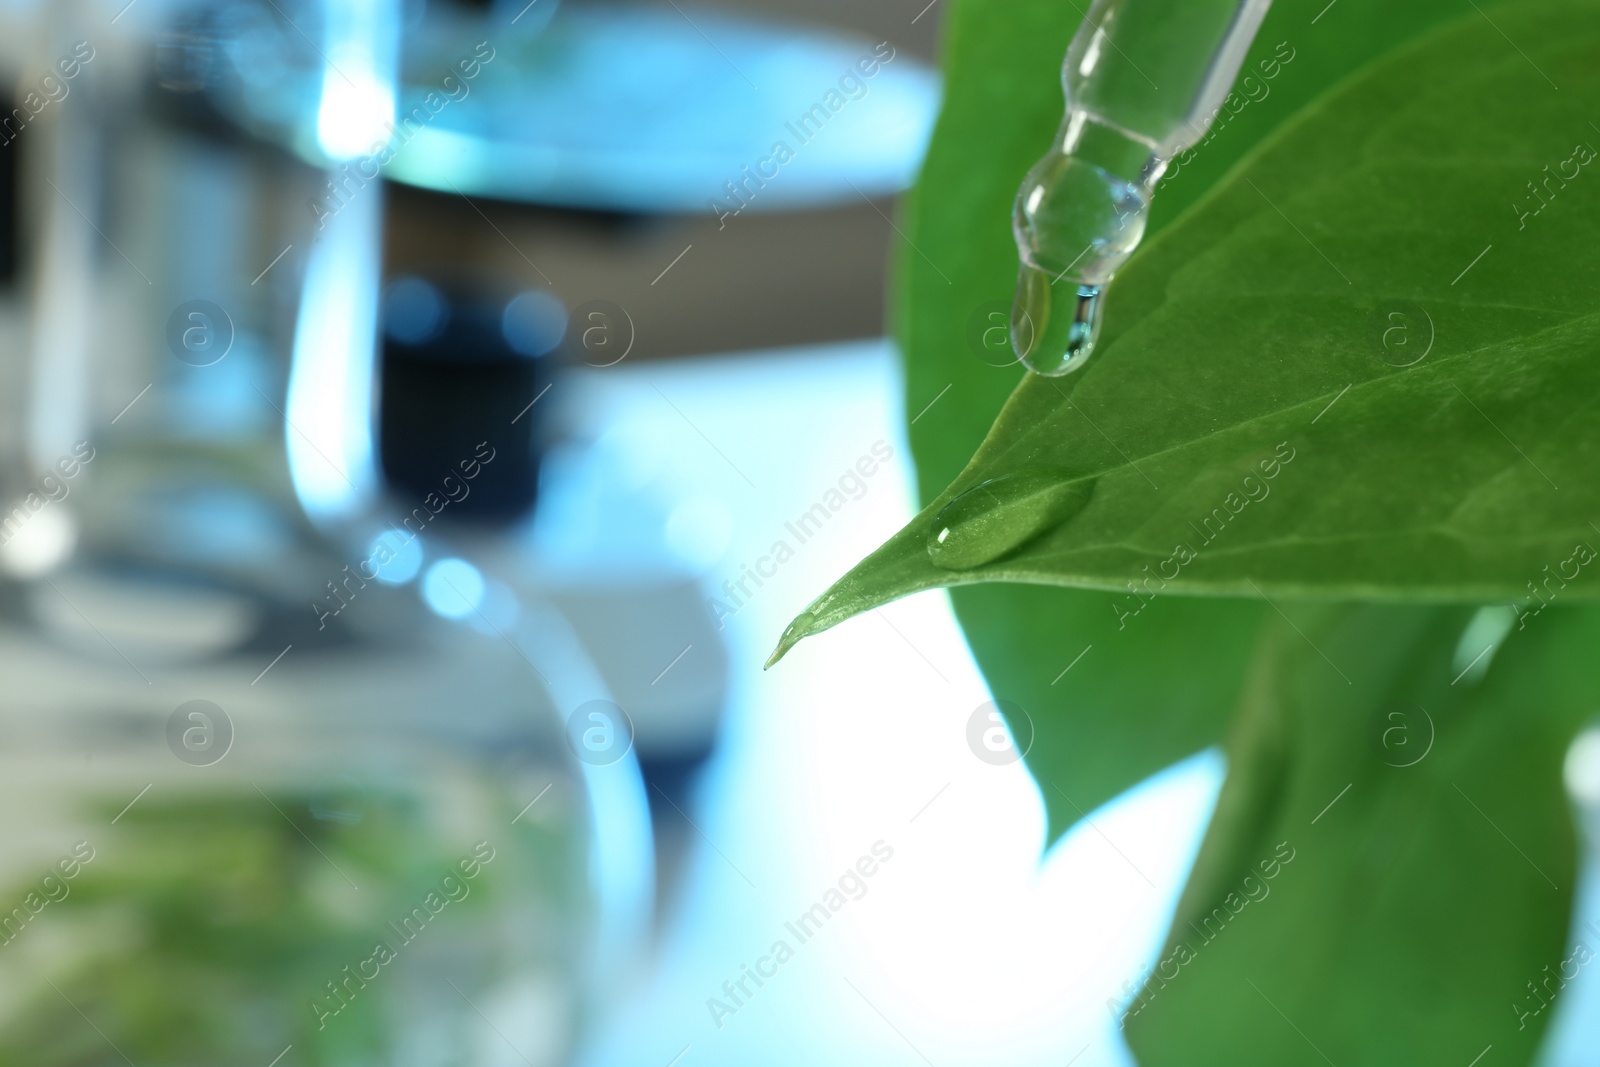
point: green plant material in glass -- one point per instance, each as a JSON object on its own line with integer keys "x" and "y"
{"x": 223, "y": 927}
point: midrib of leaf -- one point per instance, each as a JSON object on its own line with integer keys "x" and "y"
{"x": 1328, "y": 542}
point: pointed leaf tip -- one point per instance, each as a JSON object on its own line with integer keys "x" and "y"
{"x": 802, "y": 626}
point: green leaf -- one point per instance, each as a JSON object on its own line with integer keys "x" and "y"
{"x": 1003, "y": 102}
{"x": 1110, "y": 721}
{"x": 1404, "y": 929}
{"x": 1432, "y": 857}
{"x": 1245, "y": 427}
{"x": 1108, "y": 708}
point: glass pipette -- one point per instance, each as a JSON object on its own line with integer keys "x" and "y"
{"x": 1143, "y": 80}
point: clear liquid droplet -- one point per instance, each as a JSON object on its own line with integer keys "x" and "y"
{"x": 1075, "y": 223}
{"x": 1002, "y": 514}
{"x": 1054, "y": 325}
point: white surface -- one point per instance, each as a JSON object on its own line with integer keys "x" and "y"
{"x": 966, "y": 948}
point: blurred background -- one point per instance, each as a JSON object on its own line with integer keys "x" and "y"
{"x": 422, "y": 416}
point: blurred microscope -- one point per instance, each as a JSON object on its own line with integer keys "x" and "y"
{"x": 350, "y": 647}
{"x": 575, "y": 144}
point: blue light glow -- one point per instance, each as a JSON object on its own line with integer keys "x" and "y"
{"x": 404, "y": 557}
{"x": 414, "y": 311}
{"x": 534, "y": 322}
{"x": 328, "y": 417}
{"x": 356, "y": 112}
{"x": 453, "y": 588}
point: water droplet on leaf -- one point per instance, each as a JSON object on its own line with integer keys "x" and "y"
{"x": 1001, "y": 514}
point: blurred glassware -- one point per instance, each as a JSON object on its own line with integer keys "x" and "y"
{"x": 275, "y": 739}
{"x": 618, "y": 107}
{"x": 463, "y": 362}
{"x": 257, "y": 873}
{"x": 554, "y": 518}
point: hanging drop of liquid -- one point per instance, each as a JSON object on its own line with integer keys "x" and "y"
{"x": 1001, "y": 514}
{"x": 1074, "y": 224}
{"x": 1082, "y": 208}
{"x": 1054, "y": 326}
